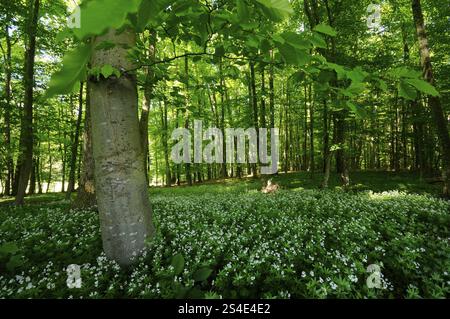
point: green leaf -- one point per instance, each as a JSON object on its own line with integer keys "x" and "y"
{"x": 298, "y": 76}
{"x": 15, "y": 262}
{"x": 149, "y": 10}
{"x": 357, "y": 75}
{"x": 326, "y": 76}
{"x": 406, "y": 91}
{"x": 97, "y": 16}
{"x": 178, "y": 264}
{"x": 341, "y": 72}
{"x": 318, "y": 41}
{"x": 292, "y": 55}
{"x": 276, "y": 10}
{"x": 108, "y": 70}
{"x": 72, "y": 72}
{"x": 9, "y": 248}
{"x": 356, "y": 88}
{"x": 423, "y": 86}
{"x": 405, "y": 72}
{"x": 296, "y": 40}
{"x": 243, "y": 13}
{"x": 202, "y": 274}
{"x": 356, "y": 109}
{"x": 382, "y": 85}
{"x": 325, "y": 29}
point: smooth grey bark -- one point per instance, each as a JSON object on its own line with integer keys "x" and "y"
{"x": 121, "y": 186}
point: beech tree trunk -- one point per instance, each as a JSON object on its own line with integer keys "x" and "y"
{"x": 433, "y": 101}
{"x": 26, "y": 135}
{"x": 121, "y": 187}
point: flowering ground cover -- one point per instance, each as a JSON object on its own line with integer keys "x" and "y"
{"x": 238, "y": 244}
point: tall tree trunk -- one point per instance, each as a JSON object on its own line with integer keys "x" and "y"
{"x": 121, "y": 187}
{"x": 168, "y": 180}
{"x": 8, "y": 74}
{"x": 26, "y": 134}
{"x": 187, "y": 117}
{"x": 148, "y": 92}
{"x": 263, "y": 98}
{"x": 326, "y": 136}
{"x": 86, "y": 185}
{"x": 271, "y": 96}
{"x": 32, "y": 188}
{"x": 434, "y": 102}
{"x": 75, "y": 142}
{"x": 38, "y": 174}
{"x": 254, "y": 99}
{"x": 311, "y": 133}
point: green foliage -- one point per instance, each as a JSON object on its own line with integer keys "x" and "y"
{"x": 410, "y": 83}
{"x": 72, "y": 72}
{"x": 149, "y": 11}
{"x": 202, "y": 274}
{"x": 100, "y": 15}
{"x": 178, "y": 264}
{"x": 10, "y": 257}
{"x": 406, "y": 91}
{"x": 277, "y": 10}
{"x": 423, "y": 86}
{"x": 325, "y": 29}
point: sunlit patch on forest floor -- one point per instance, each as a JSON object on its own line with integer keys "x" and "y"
{"x": 229, "y": 240}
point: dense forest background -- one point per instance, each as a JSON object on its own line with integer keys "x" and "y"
{"x": 196, "y": 65}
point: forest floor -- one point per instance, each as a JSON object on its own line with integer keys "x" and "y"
{"x": 227, "y": 239}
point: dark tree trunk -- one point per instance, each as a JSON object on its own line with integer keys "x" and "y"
{"x": 75, "y": 142}
{"x": 86, "y": 185}
{"x": 434, "y": 102}
{"x": 148, "y": 94}
{"x": 254, "y": 99}
{"x": 26, "y": 134}
{"x": 8, "y": 74}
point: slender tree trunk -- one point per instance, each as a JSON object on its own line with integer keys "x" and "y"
{"x": 271, "y": 96}
{"x": 86, "y": 185}
{"x": 32, "y": 188}
{"x": 187, "y": 117}
{"x": 38, "y": 174}
{"x": 75, "y": 142}
{"x": 26, "y": 134}
{"x": 263, "y": 98}
{"x": 326, "y": 135}
{"x": 121, "y": 187}
{"x": 434, "y": 102}
{"x": 311, "y": 132}
{"x": 8, "y": 74}
{"x": 148, "y": 92}
{"x": 224, "y": 171}
{"x": 255, "y": 113}
{"x": 166, "y": 144}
